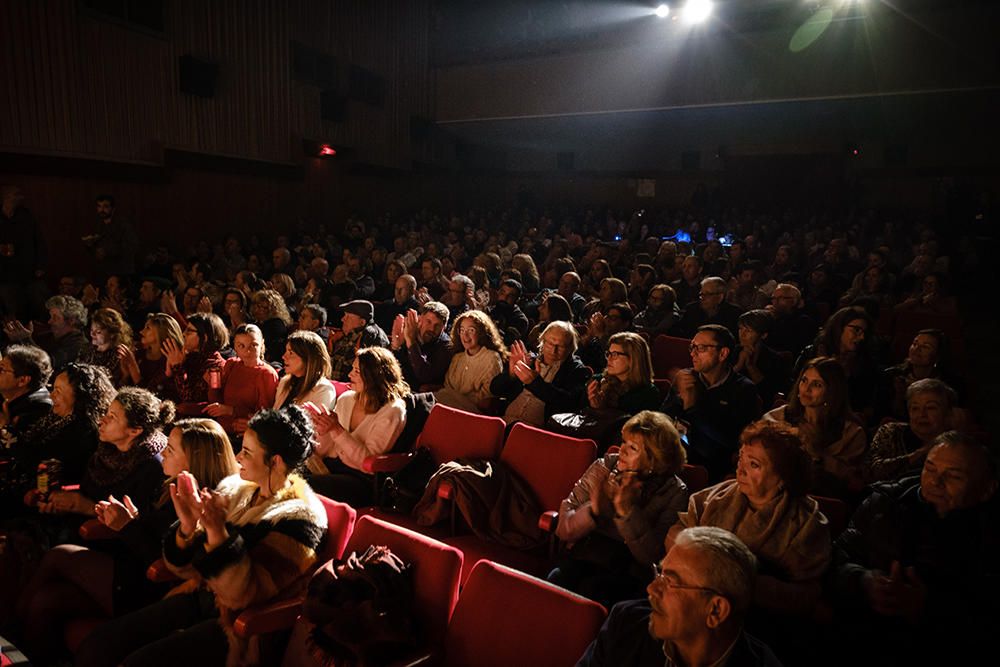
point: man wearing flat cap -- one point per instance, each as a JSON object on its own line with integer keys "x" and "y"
{"x": 358, "y": 330}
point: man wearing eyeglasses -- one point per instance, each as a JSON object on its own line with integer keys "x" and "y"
{"x": 694, "y": 613}
{"x": 24, "y": 371}
{"x": 711, "y": 308}
{"x": 712, "y": 401}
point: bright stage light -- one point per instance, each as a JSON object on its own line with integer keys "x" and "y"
{"x": 696, "y": 11}
{"x": 663, "y": 11}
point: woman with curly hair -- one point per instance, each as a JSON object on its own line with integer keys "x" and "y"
{"x": 110, "y": 340}
{"x": 81, "y": 394}
{"x": 479, "y": 356}
{"x": 367, "y": 421}
{"x": 271, "y": 315}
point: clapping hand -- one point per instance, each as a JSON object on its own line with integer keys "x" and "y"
{"x": 625, "y": 490}
{"x": 213, "y": 517}
{"x": 128, "y": 363}
{"x": 174, "y": 353}
{"x": 187, "y": 502}
{"x": 595, "y": 394}
{"x": 396, "y": 339}
{"x": 411, "y": 328}
{"x": 17, "y": 331}
{"x": 116, "y": 514}
{"x": 204, "y": 305}
{"x": 219, "y": 410}
{"x": 324, "y": 421}
{"x": 518, "y": 353}
{"x": 686, "y": 384}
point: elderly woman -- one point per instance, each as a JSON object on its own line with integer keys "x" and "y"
{"x": 899, "y": 448}
{"x": 478, "y": 356}
{"x": 269, "y": 311}
{"x": 251, "y": 540}
{"x": 110, "y": 340}
{"x": 541, "y": 385}
{"x": 367, "y": 421}
{"x": 766, "y": 506}
{"x": 833, "y": 437}
{"x": 618, "y": 513}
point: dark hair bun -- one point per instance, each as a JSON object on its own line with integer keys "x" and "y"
{"x": 168, "y": 412}
{"x": 287, "y": 432}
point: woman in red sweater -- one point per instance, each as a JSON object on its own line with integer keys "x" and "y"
{"x": 248, "y": 382}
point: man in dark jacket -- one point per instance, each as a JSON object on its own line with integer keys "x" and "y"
{"x": 422, "y": 346}
{"x": 711, "y": 308}
{"x": 694, "y": 613}
{"x": 511, "y": 321}
{"x": 921, "y": 559}
{"x": 551, "y": 383}
{"x": 358, "y": 330}
{"x": 712, "y": 401}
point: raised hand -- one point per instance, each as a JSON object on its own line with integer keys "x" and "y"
{"x": 127, "y": 362}
{"x": 219, "y": 410}
{"x": 187, "y": 502}
{"x": 213, "y": 517}
{"x": 204, "y": 305}
{"x": 17, "y": 331}
{"x": 411, "y": 328}
{"x": 174, "y": 353}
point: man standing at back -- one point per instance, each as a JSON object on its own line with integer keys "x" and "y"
{"x": 114, "y": 244}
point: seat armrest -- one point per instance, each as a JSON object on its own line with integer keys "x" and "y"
{"x": 92, "y": 529}
{"x": 425, "y": 660}
{"x": 159, "y": 573}
{"x": 386, "y": 462}
{"x": 261, "y": 619}
{"x": 548, "y": 521}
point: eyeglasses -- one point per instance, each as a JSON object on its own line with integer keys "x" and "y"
{"x": 705, "y": 295}
{"x": 614, "y": 354}
{"x": 701, "y": 347}
{"x": 553, "y": 346}
{"x": 468, "y": 330}
{"x": 661, "y": 578}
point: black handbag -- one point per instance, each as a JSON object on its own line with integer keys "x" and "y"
{"x": 601, "y": 426}
{"x": 403, "y": 489}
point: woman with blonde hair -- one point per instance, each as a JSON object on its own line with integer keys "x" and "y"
{"x": 75, "y": 581}
{"x": 479, "y": 356}
{"x": 307, "y": 372}
{"x": 110, "y": 334}
{"x": 366, "y": 422}
{"x": 248, "y": 383}
{"x": 619, "y": 512}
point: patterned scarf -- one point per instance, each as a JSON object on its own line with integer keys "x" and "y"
{"x": 109, "y": 465}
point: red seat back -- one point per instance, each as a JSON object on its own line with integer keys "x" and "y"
{"x": 436, "y": 569}
{"x": 550, "y": 463}
{"x": 670, "y": 354}
{"x": 694, "y": 476}
{"x": 339, "y": 526}
{"x": 505, "y": 617}
{"x": 451, "y": 433}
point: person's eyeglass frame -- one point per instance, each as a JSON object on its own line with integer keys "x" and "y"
{"x": 701, "y": 348}
{"x": 614, "y": 354}
{"x": 660, "y": 578}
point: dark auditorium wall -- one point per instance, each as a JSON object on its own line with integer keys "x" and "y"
{"x": 93, "y": 104}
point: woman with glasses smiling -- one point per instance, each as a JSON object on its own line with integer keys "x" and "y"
{"x": 541, "y": 385}
{"x": 619, "y": 512}
{"x": 479, "y": 355}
